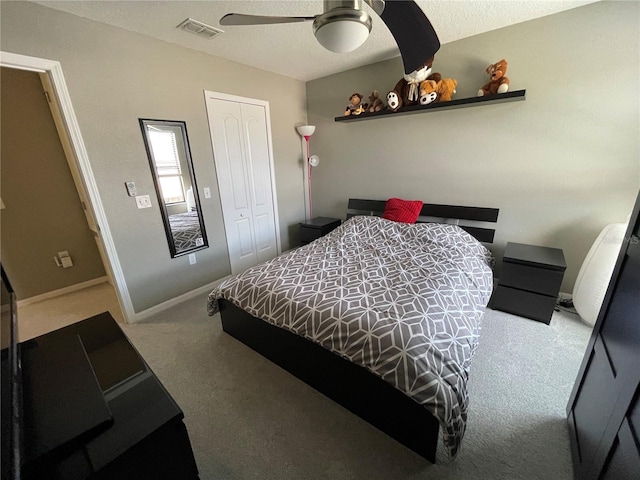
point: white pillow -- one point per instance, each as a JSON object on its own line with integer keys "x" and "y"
{"x": 595, "y": 273}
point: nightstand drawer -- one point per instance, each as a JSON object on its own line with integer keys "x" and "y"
{"x": 526, "y": 304}
{"x": 532, "y": 279}
{"x": 316, "y": 228}
{"x": 308, "y": 235}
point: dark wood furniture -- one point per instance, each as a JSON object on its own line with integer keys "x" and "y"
{"x": 317, "y": 227}
{"x": 350, "y": 385}
{"x": 514, "y": 96}
{"x": 529, "y": 282}
{"x": 93, "y": 409}
{"x": 437, "y": 212}
{"x": 604, "y": 410}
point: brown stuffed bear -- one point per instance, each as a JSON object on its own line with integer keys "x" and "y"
{"x": 408, "y": 87}
{"x": 375, "y": 103}
{"x": 355, "y": 107}
{"x": 432, "y": 91}
{"x": 446, "y": 88}
{"x": 499, "y": 83}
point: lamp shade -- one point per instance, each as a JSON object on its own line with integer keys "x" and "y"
{"x": 306, "y": 130}
{"x": 342, "y": 36}
{"x": 314, "y": 160}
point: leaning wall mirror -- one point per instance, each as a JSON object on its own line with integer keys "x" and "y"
{"x": 167, "y": 147}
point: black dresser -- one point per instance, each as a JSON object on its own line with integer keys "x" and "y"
{"x": 316, "y": 228}
{"x": 92, "y": 409}
{"x": 529, "y": 282}
{"x": 604, "y": 407}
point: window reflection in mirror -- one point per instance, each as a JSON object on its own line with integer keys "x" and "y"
{"x": 169, "y": 155}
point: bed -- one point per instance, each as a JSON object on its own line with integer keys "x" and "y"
{"x": 186, "y": 231}
{"x": 380, "y": 316}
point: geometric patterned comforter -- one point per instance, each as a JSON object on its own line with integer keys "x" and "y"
{"x": 186, "y": 231}
{"x": 404, "y": 301}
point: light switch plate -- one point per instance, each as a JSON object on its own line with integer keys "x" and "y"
{"x": 143, "y": 201}
{"x": 207, "y": 192}
{"x": 131, "y": 188}
{"x": 192, "y": 258}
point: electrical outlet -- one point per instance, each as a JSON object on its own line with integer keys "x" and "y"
{"x": 192, "y": 258}
{"x": 207, "y": 192}
{"x": 143, "y": 201}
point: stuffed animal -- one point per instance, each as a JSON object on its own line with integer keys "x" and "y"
{"x": 355, "y": 107}
{"x": 375, "y": 103}
{"x": 446, "y": 88}
{"x": 394, "y": 101}
{"x": 428, "y": 92}
{"x": 432, "y": 91}
{"x": 499, "y": 83}
{"x": 408, "y": 87}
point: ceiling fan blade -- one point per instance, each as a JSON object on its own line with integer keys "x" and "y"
{"x": 414, "y": 34}
{"x": 242, "y": 19}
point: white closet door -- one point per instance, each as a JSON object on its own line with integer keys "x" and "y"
{"x": 243, "y": 165}
{"x": 259, "y": 175}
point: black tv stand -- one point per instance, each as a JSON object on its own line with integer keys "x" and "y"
{"x": 93, "y": 409}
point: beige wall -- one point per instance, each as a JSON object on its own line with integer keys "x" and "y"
{"x": 115, "y": 77}
{"x": 560, "y": 165}
{"x": 43, "y": 214}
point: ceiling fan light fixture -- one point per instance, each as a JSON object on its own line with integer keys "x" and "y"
{"x": 342, "y": 30}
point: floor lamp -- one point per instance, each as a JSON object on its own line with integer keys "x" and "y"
{"x": 311, "y": 161}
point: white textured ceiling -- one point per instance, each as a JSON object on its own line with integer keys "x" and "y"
{"x": 291, "y": 49}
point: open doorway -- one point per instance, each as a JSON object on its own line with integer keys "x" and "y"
{"x": 46, "y": 211}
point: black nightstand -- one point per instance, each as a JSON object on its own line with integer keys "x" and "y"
{"x": 316, "y": 228}
{"x": 529, "y": 281}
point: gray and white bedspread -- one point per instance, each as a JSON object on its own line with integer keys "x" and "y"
{"x": 404, "y": 301}
{"x": 186, "y": 231}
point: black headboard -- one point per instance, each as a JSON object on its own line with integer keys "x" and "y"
{"x": 474, "y": 214}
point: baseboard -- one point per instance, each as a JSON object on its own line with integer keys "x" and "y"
{"x": 62, "y": 291}
{"x": 144, "y": 314}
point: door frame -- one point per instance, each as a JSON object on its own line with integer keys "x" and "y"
{"x": 87, "y": 187}
{"x": 263, "y": 103}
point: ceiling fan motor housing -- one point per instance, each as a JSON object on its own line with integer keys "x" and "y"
{"x": 343, "y": 26}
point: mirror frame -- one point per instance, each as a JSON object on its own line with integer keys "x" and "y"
{"x": 144, "y": 122}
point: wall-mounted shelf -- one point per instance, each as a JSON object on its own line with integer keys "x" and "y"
{"x": 515, "y": 96}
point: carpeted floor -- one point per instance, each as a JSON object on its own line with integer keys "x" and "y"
{"x": 47, "y": 315}
{"x": 249, "y": 419}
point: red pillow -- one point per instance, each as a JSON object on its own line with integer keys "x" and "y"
{"x": 398, "y": 210}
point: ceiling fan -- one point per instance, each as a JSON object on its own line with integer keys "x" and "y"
{"x": 344, "y": 26}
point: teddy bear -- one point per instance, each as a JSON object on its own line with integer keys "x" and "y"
{"x": 394, "y": 101}
{"x": 499, "y": 83}
{"x": 408, "y": 87}
{"x": 446, "y": 88}
{"x": 432, "y": 91}
{"x": 375, "y": 102}
{"x": 355, "y": 107}
{"x": 428, "y": 92}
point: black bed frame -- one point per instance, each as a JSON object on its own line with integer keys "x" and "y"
{"x": 350, "y": 385}
{"x": 441, "y": 213}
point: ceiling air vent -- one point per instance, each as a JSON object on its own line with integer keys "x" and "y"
{"x": 199, "y": 28}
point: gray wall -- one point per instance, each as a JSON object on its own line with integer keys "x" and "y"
{"x": 115, "y": 77}
{"x": 43, "y": 214}
{"x": 560, "y": 165}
